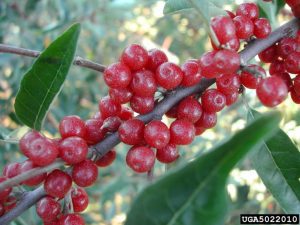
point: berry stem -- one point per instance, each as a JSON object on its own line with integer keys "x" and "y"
{"x": 30, "y": 198}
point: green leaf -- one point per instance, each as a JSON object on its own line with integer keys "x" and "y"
{"x": 42, "y": 83}
{"x": 278, "y": 164}
{"x": 195, "y": 194}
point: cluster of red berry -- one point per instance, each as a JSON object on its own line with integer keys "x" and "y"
{"x": 138, "y": 79}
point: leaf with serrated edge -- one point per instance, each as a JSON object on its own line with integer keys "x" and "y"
{"x": 278, "y": 164}
{"x": 42, "y": 83}
{"x": 195, "y": 194}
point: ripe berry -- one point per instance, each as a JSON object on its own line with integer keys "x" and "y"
{"x": 207, "y": 120}
{"x": 141, "y": 159}
{"x": 295, "y": 96}
{"x": 135, "y": 57}
{"x": 119, "y": 95}
{"x": 286, "y": 46}
{"x": 272, "y": 91}
{"x": 224, "y": 28}
{"x": 296, "y": 10}
{"x": 73, "y": 150}
{"x": 297, "y": 84}
{"x": 189, "y": 109}
{"x": 182, "y": 132}
{"x": 227, "y": 61}
{"x": 94, "y": 133}
{"x": 191, "y": 73}
{"x": 207, "y": 65}
{"x": 42, "y": 151}
{"x": 231, "y": 98}
{"x": 26, "y": 140}
{"x": 71, "y": 219}
{"x": 143, "y": 83}
{"x": 228, "y": 83}
{"x": 244, "y": 27}
{"x": 117, "y": 75}
{"x": 169, "y": 75}
{"x": 126, "y": 113}
{"x": 131, "y": 132}
{"x": 57, "y": 184}
{"x": 80, "y": 199}
{"x": 292, "y": 63}
{"x": 262, "y": 28}
{"x": 278, "y": 66}
{"x": 85, "y": 173}
{"x": 109, "y": 107}
{"x": 156, "y": 58}
{"x": 268, "y": 55}
{"x": 11, "y": 170}
{"x": 249, "y": 80}
{"x": 48, "y": 209}
{"x": 157, "y": 134}
{"x": 28, "y": 165}
{"x": 213, "y": 100}
{"x": 107, "y": 159}
{"x": 142, "y": 105}
{"x": 4, "y": 193}
{"x": 111, "y": 124}
{"x": 250, "y": 10}
{"x": 292, "y": 3}
{"x": 168, "y": 154}
{"x": 72, "y": 126}
{"x": 286, "y": 78}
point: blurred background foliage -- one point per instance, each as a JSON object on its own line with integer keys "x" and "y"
{"x": 108, "y": 26}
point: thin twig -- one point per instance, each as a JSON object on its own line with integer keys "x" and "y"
{"x": 290, "y": 28}
{"x": 79, "y": 61}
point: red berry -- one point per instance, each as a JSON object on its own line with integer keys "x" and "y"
{"x": 142, "y": 105}
{"x": 296, "y": 10}
{"x": 172, "y": 113}
{"x": 189, "y": 109}
{"x": 85, "y": 173}
{"x": 168, "y": 154}
{"x": 262, "y": 28}
{"x": 126, "y": 113}
{"x": 120, "y": 95}
{"x": 213, "y": 100}
{"x": 295, "y": 96}
{"x": 286, "y": 46}
{"x": 2, "y": 209}
{"x": 228, "y": 83}
{"x": 94, "y": 133}
{"x": 73, "y": 150}
{"x": 26, "y": 140}
{"x": 182, "y": 132}
{"x": 71, "y": 219}
{"x": 268, "y": 55}
{"x": 156, "y": 58}
{"x": 57, "y": 184}
{"x": 286, "y": 78}
{"x": 48, "y": 209}
{"x": 111, "y": 124}
{"x": 135, "y": 57}
{"x": 141, "y": 159}
{"x": 244, "y": 27}
{"x": 191, "y": 73}
{"x": 207, "y": 120}
{"x": 292, "y": 63}
{"x": 169, "y": 75}
{"x": 10, "y": 203}
{"x": 250, "y": 10}
{"x": 131, "y": 132}
{"x": 157, "y": 134}
{"x": 72, "y": 126}
{"x": 277, "y": 66}
{"x": 292, "y": 3}
{"x": 224, "y": 28}
{"x": 143, "y": 83}
{"x": 11, "y": 170}
{"x": 107, "y": 159}
{"x": 227, "y": 61}
{"x": 272, "y": 91}
{"x": 250, "y": 80}
{"x": 230, "y": 14}
{"x": 231, "y": 98}
{"x": 233, "y": 44}
{"x": 117, "y": 75}
{"x": 42, "y": 151}
{"x": 297, "y": 84}
{"x": 4, "y": 193}
{"x": 207, "y": 65}
{"x": 109, "y": 107}
{"x": 80, "y": 199}
{"x": 28, "y": 165}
